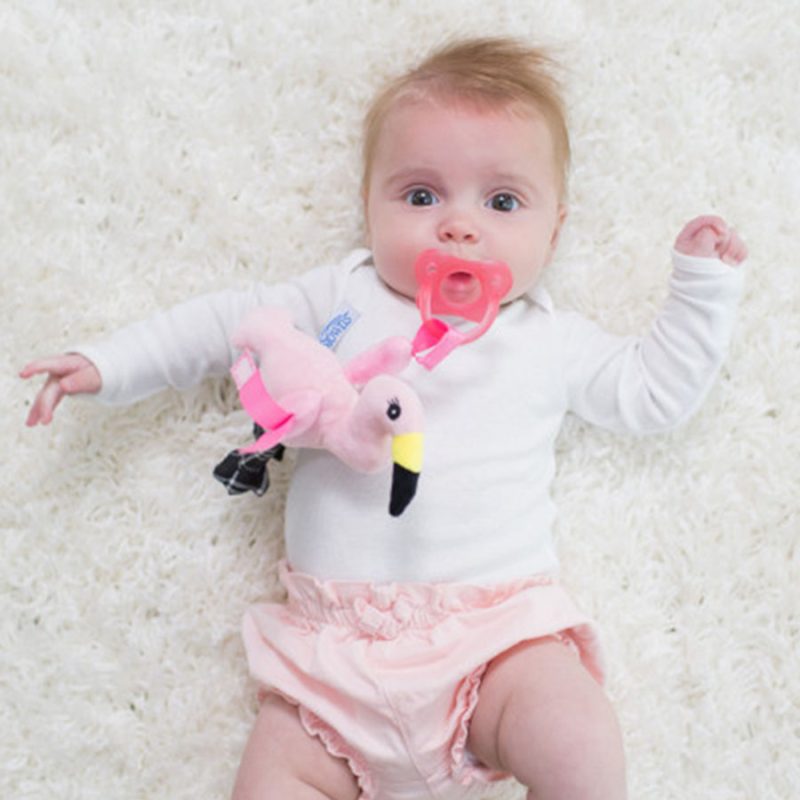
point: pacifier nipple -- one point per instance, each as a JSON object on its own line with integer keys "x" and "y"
{"x": 469, "y": 290}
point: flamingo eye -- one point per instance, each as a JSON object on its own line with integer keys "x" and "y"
{"x": 394, "y": 411}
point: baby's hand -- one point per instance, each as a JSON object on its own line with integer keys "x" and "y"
{"x": 711, "y": 237}
{"x": 66, "y": 374}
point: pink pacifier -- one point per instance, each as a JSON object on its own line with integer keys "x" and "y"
{"x": 449, "y": 285}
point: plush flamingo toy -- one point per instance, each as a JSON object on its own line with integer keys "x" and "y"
{"x": 301, "y": 396}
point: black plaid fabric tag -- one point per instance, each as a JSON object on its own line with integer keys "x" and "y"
{"x": 240, "y": 472}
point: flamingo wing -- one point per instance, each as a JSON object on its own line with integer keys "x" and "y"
{"x": 389, "y": 357}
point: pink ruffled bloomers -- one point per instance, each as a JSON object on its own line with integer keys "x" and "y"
{"x": 388, "y": 676}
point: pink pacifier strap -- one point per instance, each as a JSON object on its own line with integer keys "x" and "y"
{"x": 437, "y": 337}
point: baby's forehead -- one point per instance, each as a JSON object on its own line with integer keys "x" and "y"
{"x": 411, "y": 116}
{"x": 433, "y": 143}
{"x": 417, "y": 121}
{"x": 458, "y": 104}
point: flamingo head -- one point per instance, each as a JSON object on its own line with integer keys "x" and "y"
{"x": 392, "y": 414}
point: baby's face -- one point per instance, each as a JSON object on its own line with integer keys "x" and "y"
{"x": 479, "y": 184}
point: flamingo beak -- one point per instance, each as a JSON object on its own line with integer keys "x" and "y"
{"x": 407, "y": 456}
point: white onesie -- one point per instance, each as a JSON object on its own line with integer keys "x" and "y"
{"x": 493, "y": 409}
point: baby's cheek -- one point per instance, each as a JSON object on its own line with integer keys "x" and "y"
{"x": 397, "y": 270}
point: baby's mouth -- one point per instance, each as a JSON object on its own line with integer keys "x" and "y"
{"x": 461, "y": 288}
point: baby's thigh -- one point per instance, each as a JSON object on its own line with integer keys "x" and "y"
{"x": 282, "y": 760}
{"x": 542, "y": 717}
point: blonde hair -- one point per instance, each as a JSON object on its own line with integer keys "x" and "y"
{"x": 487, "y": 72}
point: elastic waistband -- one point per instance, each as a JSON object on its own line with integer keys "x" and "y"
{"x": 383, "y": 610}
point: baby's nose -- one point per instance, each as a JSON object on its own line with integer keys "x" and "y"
{"x": 458, "y": 229}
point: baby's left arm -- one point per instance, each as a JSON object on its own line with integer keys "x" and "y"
{"x": 649, "y": 383}
{"x": 711, "y": 237}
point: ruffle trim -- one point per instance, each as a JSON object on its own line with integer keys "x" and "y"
{"x": 464, "y": 767}
{"x": 332, "y": 741}
{"x": 338, "y": 748}
{"x": 383, "y": 611}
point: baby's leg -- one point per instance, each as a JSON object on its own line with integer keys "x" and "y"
{"x": 544, "y": 719}
{"x": 282, "y": 761}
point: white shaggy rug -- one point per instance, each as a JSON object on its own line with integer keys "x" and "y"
{"x": 154, "y": 150}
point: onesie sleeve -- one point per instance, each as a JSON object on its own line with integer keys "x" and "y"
{"x": 179, "y": 347}
{"x": 651, "y": 383}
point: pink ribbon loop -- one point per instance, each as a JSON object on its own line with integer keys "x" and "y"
{"x": 258, "y": 403}
{"x": 437, "y": 338}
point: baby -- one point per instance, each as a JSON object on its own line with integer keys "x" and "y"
{"x": 425, "y": 655}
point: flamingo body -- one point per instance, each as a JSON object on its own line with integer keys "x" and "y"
{"x": 322, "y": 407}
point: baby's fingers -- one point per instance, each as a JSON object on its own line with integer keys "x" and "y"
{"x": 44, "y": 405}
{"x": 53, "y": 365}
{"x": 734, "y": 251}
{"x": 86, "y": 380}
{"x": 701, "y": 236}
{"x": 66, "y": 374}
{"x": 711, "y": 221}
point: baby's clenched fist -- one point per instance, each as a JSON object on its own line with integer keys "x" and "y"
{"x": 711, "y": 237}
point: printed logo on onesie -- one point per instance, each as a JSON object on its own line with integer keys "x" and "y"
{"x": 338, "y": 325}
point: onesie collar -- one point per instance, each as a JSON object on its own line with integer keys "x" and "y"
{"x": 540, "y": 297}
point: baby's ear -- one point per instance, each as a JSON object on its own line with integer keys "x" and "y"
{"x": 365, "y": 205}
{"x": 563, "y": 211}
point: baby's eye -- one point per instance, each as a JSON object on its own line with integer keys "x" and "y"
{"x": 421, "y": 197}
{"x": 503, "y": 201}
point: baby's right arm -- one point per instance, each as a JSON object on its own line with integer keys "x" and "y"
{"x": 67, "y": 374}
{"x": 177, "y": 348}
{"x": 181, "y": 346}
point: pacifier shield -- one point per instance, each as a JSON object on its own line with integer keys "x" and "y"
{"x": 470, "y": 290}
{"x": 460, "y": 287}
